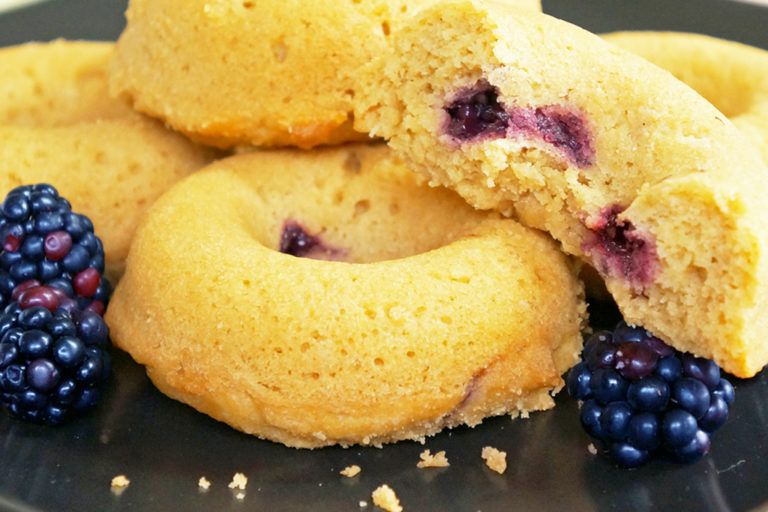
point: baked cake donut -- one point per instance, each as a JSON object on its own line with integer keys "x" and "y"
{"x": 269, "y": 73}
{"x": 59, "y": 125}
{"x": 730, "y": 75}
{"x": 624, "y": 165}
{"x": 329, "y": 297}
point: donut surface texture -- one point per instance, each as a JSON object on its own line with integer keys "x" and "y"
{"x": 269, "y": 73}
{"x": 59, "y": 125}
{"x": 409, "y": 311}
{"x": 730, "y": 75}
{"x": 627, "y": 167}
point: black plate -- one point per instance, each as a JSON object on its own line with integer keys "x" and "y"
{"x": 164, "y": 447}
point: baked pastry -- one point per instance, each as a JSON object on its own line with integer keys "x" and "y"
{"x": 730, "y": 75}
{"x": 625, "y": 166}
{"x": 406, "y": 312}
{"x": 270, "y": 73}
{"x": 59, "y": 125}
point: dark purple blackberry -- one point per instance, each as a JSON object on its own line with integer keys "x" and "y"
{"x": 43, "y": 241}
{"x": 641, "y": 398}
{"x": 53, "y": 363}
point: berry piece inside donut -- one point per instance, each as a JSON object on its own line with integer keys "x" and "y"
{"x": 296, "y": 241}
{"x": 619, "y": 249}
{"x": 566, "y": 131}
{"x": 477, "y": 112}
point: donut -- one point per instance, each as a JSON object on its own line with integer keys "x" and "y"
{"x": 331, "y": 297}
{"x": 59, "y": 125}
{"x": 730, "y": 75}
{"x": 269, "y": 73}
{"x": 628, "y": 168}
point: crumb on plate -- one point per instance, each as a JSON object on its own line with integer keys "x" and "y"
{"x": 495, "y": 459}
{"x": 384, "y": 497}
{"x": 120, "y": 482}
{"x": 438, "y": 460}
{"x": 239, "y": 481}
{"x": 350, "y": 471}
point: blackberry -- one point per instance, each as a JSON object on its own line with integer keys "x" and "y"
{"x": 54, "y": 358}
{"x": 45, "y": 242}
{"x": 640, "y": 397}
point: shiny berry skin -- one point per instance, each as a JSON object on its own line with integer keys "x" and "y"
{"x": 635, "y": 360}
{"x": 590, "y": 418}
{"x": 627, "y": 456}
{"x": 644, "y": 431}
{"x": 715, "y": 416}
{"x": 614, "y": 421}
{"x": 701, "y": 369}
{"x": 640, "y": 398}
{"x": 578, "y": 381}
{"x": 43, "y": 241}
{"x": 607, "y": 385}
{"x": 724, "y": 390}
{"x": 678, "y": 427}
{"x": 648, "y": 394}
{"x": 53, "y": 364}
{"x": 691, "y": 395}
{"x": 694, "y": 449}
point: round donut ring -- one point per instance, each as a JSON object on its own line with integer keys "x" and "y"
{"x": 431, "y": 314}
{"x": 59, "y": 125}
{"x": 730, "y": 75}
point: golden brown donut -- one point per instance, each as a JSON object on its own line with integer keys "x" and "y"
{"x": 59, "y": 125}
{"x": 627, "y": 167}
{"x": 269, "y": 73}
{"x": 409, "y": 311}
{"x": 730, "y": 75}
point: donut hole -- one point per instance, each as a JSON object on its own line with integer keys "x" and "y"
{"x": 355, "y": 206}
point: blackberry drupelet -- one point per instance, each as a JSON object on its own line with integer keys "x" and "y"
{"x": 640, "y": 397}
{"x": 44, "y": 241}
{"x": 54, "y": 358}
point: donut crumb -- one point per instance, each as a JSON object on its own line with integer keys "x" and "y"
{"x": 203, "y": 483}
{"x": 363, "y": 504}
{"x": 438, "y": 460}
{"x": 239, "y": 481}
{"x": 495, "y": 459}
{"x": 350, "y": 471}
{"x": 385, "y": 498}
{"x": 119, "y": 483}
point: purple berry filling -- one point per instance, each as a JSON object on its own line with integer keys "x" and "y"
{"x": 295, "y": 241}
{"x": 476, "y": 114}
{"x": 567, "y": 132}
{"x": 618, "y": 249}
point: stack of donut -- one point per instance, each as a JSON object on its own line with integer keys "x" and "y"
{"x": 313, "y": 289}
{"x": 59, "y": 125}
{"x": 323, "y": 296}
